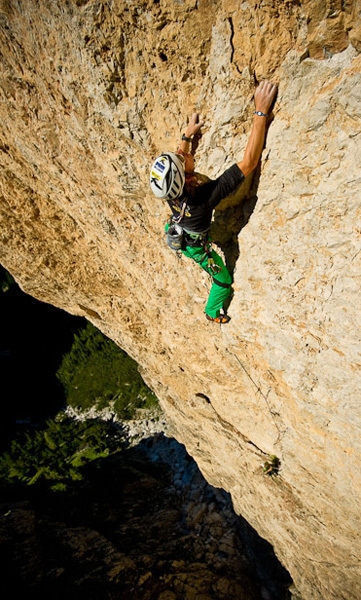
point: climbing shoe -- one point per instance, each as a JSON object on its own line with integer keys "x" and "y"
{"x": 221, "y": 319}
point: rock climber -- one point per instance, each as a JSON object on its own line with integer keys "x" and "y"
{"x": 192, "y": 200}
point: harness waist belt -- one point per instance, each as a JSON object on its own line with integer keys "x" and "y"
{"x": 193, "y": 238}
{"x": 196, "y": 232}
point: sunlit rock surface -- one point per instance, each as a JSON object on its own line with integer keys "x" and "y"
{"x": 90, "y": 93}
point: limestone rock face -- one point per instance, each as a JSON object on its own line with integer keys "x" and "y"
{"x": 91, "y": 91}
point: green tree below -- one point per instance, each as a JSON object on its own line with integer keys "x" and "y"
{"x": 97, "y": 373}
{"x": 56, "y": 454}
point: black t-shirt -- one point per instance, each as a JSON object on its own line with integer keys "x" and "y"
{"x": 200, "y": 206}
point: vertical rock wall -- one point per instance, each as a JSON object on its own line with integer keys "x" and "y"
{"x": 90, "y": 92}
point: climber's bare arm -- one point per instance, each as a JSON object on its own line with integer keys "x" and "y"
{"x": 264, "y": 97}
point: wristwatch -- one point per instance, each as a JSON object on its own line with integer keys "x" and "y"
{"x": 260, "y": 113}
{"x": 186, "y": 139}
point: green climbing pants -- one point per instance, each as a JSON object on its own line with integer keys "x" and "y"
{"x": 221, "y": 281}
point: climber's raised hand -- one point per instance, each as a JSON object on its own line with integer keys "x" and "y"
{"x": 264, "y": 96}
{"x": 194, "y": 125}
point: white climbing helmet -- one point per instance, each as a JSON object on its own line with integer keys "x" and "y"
{"x": 167, "y": 176}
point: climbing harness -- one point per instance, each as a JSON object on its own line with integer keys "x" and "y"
{"x": 178, "y": 238}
